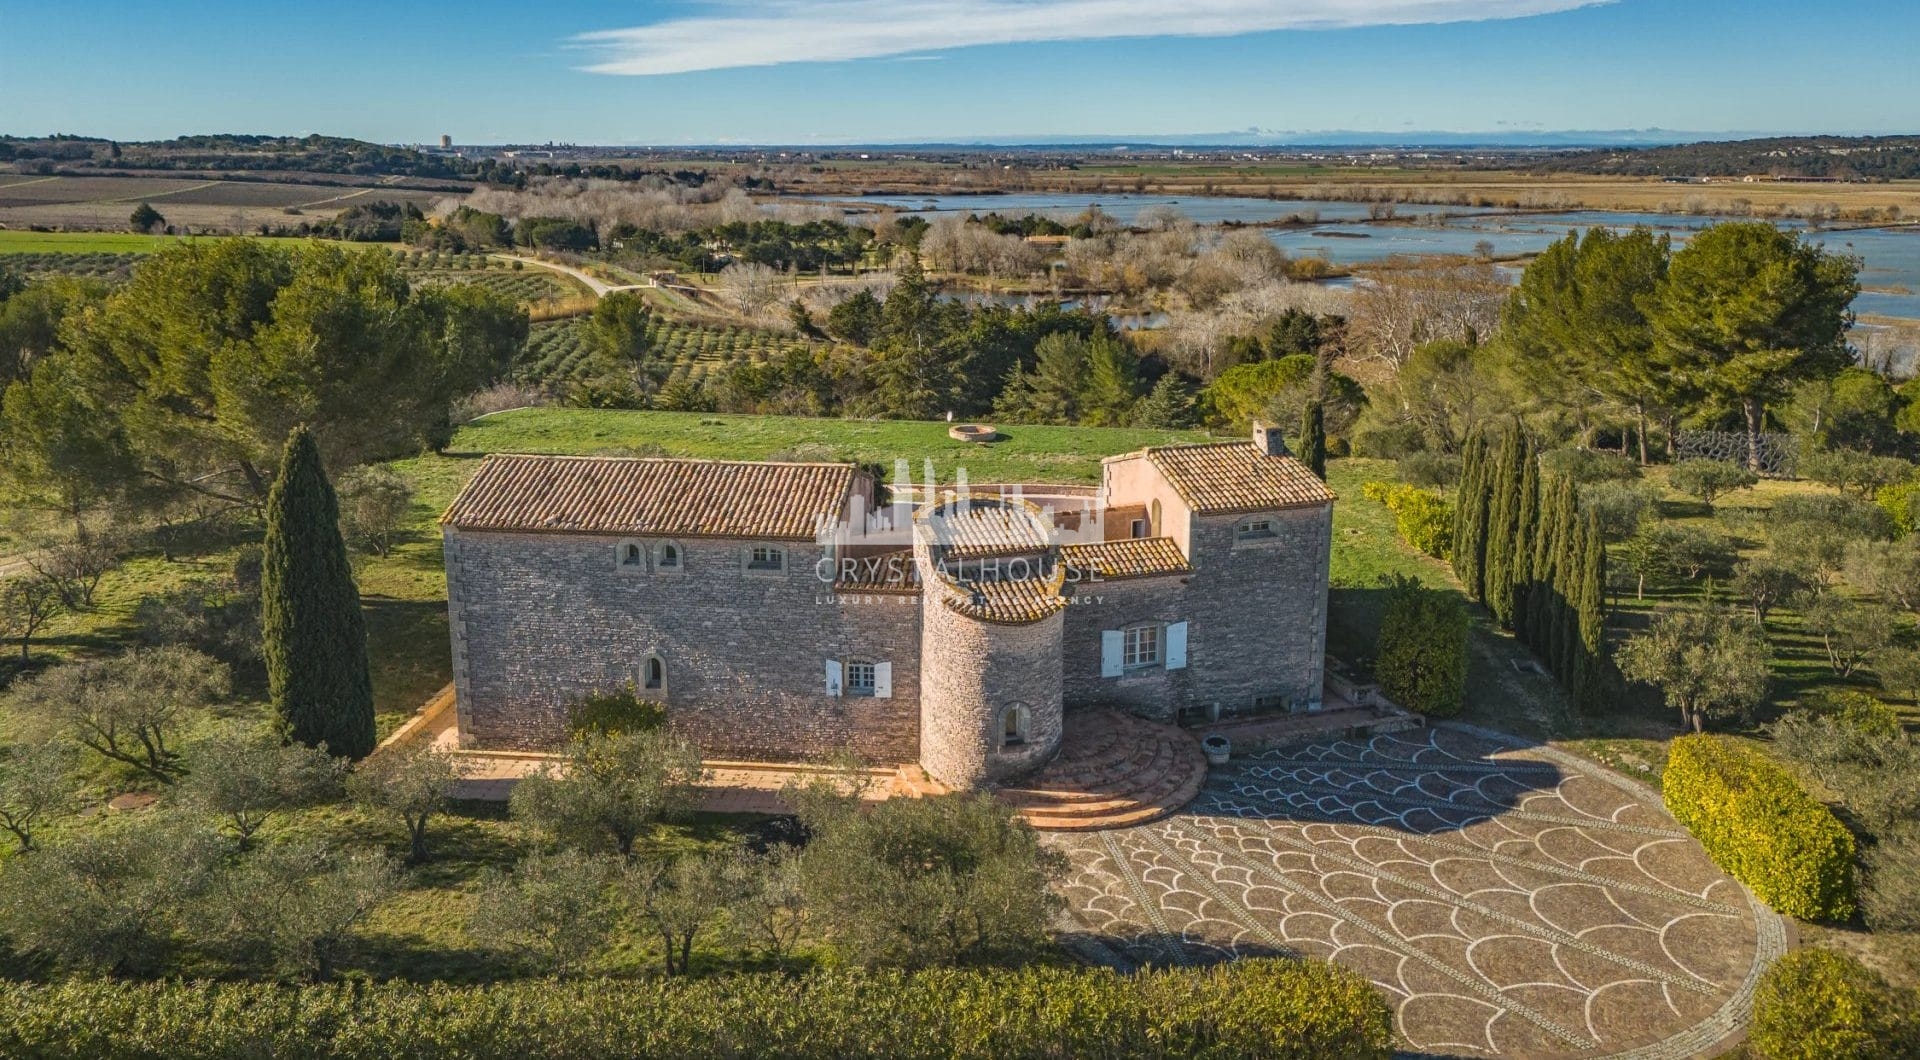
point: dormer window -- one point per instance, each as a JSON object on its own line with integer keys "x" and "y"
{"x": 1254, "y": 530}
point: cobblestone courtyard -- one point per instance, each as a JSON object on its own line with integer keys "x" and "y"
{"x": 1510, "y": 900}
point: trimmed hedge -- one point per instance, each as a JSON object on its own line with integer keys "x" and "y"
{"x": 1254, "y": 1008}
{"x": 1424, "y": 519}
{"x": 1421, "y": 658}
{"x": 1762, "y": 827}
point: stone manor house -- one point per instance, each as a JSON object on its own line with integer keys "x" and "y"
{"x": 785, "y": 611}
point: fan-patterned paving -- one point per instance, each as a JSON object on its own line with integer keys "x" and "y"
{"x": 1510, "y": 900}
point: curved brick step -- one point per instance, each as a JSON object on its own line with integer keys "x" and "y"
{"x": 1113, "y": 771}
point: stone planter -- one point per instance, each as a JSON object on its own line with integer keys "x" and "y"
{"x": 972, "y": 432}
{"x": 1218, "y": 749}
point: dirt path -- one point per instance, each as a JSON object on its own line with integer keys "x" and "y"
{"x": 598, "y": 286}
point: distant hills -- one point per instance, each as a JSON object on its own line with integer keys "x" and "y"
{"x": 1821, "y": 157}
{"x": 1622, "y": 152}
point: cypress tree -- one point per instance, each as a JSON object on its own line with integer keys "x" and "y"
{"x": 1526, "y": 528}
{"x": 1469, "y": 539}
{"x": 1313, "y": 438}
{"x": 315, "y": 639}
{"x": 1590, "y": 604}
{"x": 1503, "y": 509}
{"x": 1571, "y": 549}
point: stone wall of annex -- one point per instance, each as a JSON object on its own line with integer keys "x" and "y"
{"x": 1259, "y": 609}
{"x": 541, "y": 619}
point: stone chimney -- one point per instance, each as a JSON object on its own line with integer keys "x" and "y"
{"x": 1269, "y": 439}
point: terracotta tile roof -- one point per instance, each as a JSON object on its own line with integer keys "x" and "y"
{"x": 1126, "y": 558}
{"x": 668, "y": 498}
{"x": 1006, "y": 602}
{"x": 987, "y": 527}
{"x": 886, "y": 572}
{"x": 1220, "y": 477}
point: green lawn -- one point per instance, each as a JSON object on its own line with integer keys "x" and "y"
{"x": 1025, "y": 454}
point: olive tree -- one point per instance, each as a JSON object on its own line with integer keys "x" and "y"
{"x": 128, "y": 708}
{"x": 36, "y": 785}
{"x": 679, "y": 898}
{"x": 412, "y": 784}
{"x": 244, "y": 774}
{"x": 110, "y": 900}
{"x": 1705, "y": 662}
{"x": 1705, "y": 480}
{"x": 293, "y": 906}
{"x": 934, "y": 881}
{"x": 554, "y": 910}
{"x": 609, "y": 790}
{"x": 1851, "y": 631}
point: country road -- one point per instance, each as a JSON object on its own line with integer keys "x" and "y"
{"x": 599, "y": 287}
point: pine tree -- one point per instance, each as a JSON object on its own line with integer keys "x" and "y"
{"x": 314, "y": 637}
{"x": 1313, "y": 438}
{"x": 1169, "y": 405}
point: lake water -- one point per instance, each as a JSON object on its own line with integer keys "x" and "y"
{"x": 1890, "y": 256}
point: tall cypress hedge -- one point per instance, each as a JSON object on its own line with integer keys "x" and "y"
{"x": 315, "y": 639}
{"x": 1503, "y": 523}
{"x": 1470, "y": 517}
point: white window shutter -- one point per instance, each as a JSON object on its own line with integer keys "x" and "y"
{"x": 1112, "y": 642}
{"x": 1177, "y": 646}
{"x": 883, "y": 680}
{"x": 834, "y": 685}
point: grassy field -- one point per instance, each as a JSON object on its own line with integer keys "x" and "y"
{"x": 187, "y": 202}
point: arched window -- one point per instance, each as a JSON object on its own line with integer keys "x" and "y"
{"x": 668, "y": 558}
{"x": 1154, "y": 527}
{"x": 1013, "y": 725}
{"x": 632, "y": 557}
{"x": 656, "y": 674}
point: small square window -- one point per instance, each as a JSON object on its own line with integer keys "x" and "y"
{"x": 860, "y": 679}
{"x": 1254, "y": 530}
{"x": 766, "y": 557}
{"x": 1137, "y": 529}
{"x": 1141, "y": 647}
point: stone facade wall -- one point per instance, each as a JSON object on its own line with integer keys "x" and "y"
{"x": 971, "y": 672}
{"x": 1259, "y": 610}
{"x": 1256, "y": 622}
{"x": 541, "y": 619}
{"x": 1116, "y": 604}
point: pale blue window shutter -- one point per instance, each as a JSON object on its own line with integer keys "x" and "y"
{"x": 883, "y": 680}
{"x": 834, "y": 685}
{"x": 1111, "y": 644}
{"x": 1177, "y": 646}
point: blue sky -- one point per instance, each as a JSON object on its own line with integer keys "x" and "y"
{"x": 804, "y": 71}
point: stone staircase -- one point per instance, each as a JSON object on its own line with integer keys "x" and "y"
{"x": 1113, "y": 771}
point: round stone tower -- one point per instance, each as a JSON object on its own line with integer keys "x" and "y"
{"x": 990, "y": 642}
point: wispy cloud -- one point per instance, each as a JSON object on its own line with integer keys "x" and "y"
{"x": 772, "y": 32}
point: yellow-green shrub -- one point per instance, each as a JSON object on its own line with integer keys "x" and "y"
{"x": 1423, "y": 518}
{"x": 1296, "y": 1010}
{"x": 1820, "y": 1005}
{"x": 1762, "y": 827}
{"x": 1898, "y": 501}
